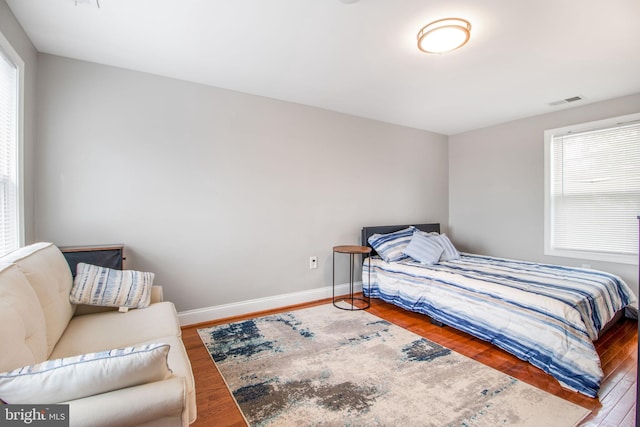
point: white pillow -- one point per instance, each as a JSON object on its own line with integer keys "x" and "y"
{"x": 70, "y": 378}
{"x": 107, "y": 287}
{"x": 424, "y": 248}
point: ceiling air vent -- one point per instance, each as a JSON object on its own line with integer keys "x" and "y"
{"x": 565, "y": 101}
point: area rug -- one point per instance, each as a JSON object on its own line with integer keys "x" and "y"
{"x": 329, "y": 367}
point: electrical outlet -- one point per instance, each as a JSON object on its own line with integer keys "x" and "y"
{"x": 313, "y": 262}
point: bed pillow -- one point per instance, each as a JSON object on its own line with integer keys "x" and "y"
{"x": 106, "y": 287}
{"x": 450, "y": 252}
{"x": 390, "y": 246}
{"x": 70, "y": 378}
{"x": 424, "y": 248}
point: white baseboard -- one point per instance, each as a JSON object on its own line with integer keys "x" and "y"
{"x": 207, "y": 314}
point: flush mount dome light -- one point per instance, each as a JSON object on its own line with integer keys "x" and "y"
{"x": 444, "y": 35}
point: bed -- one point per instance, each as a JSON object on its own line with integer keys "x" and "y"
{"x": 545, "y": 314}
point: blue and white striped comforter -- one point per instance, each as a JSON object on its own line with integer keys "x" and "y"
{"x": 545, "y": 314}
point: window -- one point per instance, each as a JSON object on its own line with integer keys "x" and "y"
{"x": 10, "y": 146}
{"x": 592, "y": 190}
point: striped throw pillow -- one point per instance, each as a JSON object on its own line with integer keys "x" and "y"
{"x": 424, "y": 248}
{"x": 390, "y": 246}
{"x": 107, "y": 287}
{"x": 70, "y": 378}
{"x": 450, "y": 252}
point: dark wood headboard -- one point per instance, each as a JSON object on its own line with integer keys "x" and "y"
{"x": 383, "y": 229}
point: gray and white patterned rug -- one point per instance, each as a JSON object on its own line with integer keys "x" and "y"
{"x": 329, "y": 367}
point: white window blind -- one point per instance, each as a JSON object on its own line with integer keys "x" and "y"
{"x": 594, "y": 190}
{"x": 9, "y": 202}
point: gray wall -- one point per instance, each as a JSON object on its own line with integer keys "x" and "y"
{"x": 226, "y": 195}
{"x": 223, "y": 195}
{"x": 13, "y": 32}
{"x": 496, "y": 186}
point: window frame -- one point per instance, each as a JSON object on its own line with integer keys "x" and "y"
{"x": 13, "y": 55}
{"x": 548, "y": 203}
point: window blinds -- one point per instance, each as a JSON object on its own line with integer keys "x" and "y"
{"x": 9, "y": 231}
{"x": 595, "y": 190}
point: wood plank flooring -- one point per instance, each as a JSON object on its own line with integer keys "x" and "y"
{"x": 616, "y": 405}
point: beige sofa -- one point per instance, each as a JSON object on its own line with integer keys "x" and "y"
{"x": 38, "y": 323}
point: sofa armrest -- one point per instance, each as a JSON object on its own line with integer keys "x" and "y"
{"x": 160, "y": 403}
{"x": 156, "y": 294}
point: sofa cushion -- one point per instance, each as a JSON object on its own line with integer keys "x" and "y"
{"x": 102, "y": 286}
{"x": 103, "y": 331}
{"x": 22, "y": 327}
{"x": 156, "y": 323}
{"x": 46, "y": 269}
{"x": 156, "y": 404}
{"x": 71, "y": 378}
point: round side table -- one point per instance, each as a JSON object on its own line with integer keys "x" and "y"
{"x": 352, "y": 302}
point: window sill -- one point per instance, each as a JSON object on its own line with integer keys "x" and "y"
{"x": 594, "y": 256}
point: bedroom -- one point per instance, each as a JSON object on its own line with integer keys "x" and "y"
{"x": 196, "y": 180}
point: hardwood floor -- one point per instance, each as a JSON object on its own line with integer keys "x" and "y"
{"x": 617, "y": 349}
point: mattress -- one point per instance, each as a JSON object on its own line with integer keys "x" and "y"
{"x": 545, "y": 314}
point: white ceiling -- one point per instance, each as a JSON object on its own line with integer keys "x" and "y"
{"x": 360, "y": 57}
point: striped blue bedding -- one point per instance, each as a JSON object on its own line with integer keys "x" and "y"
{"x": 545, "y": 314}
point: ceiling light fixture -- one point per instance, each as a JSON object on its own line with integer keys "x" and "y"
{"x": 444, "y": 35}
